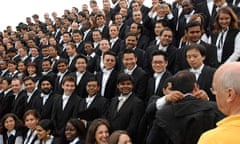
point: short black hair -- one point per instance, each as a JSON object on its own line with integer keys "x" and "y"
{"x": 197, "y": 47}
{"x": 110, "y": 53}
{"x": 124, "y": 77}
{"x": 160, "y": 52}
{"x": 192, "y": 24}
{"x": 183, "y": 81}
{"x": 129, "y": 51}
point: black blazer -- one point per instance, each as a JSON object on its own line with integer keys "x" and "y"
{"x": 205, "y": 80}
{"x": 128, "y": 117}
{"x": 29, "y": 105}
{"x": 211, "y": 57}
{"x": 60, "y": 116}
{"x": 111, "y": 85}
{"x": 171, "y": 51}
{"x": 95, "y": 110}
{"x": 46, "y": 109}
{"x": 116, "y": 46}
{"x": 58, "y": 84}
{"x": 18, "y": 104}
{"x": 6, "y": 101}
{"x": 151, "y": 86}
{"x": 81, "y": 86}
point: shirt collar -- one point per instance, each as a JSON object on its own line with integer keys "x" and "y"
{"x": 198, "y": 71}
{"x": 13, "y": 132}
{"x": 74, "y": 141}
{"x": 130, "y": 71}
{"x": 65, "y": 97}
{"x": 124, "y": 97}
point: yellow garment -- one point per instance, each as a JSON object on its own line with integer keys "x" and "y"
{"x": 226, "y": 132}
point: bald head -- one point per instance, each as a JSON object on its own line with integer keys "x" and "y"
{"x": 226, "y": 84}
{"x": 227, "y": 75}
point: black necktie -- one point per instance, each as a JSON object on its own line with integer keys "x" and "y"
{"x": 220, "y": 43}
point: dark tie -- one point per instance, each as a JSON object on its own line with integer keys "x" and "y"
{"x": 220, "y": 43}
{"x": 11, "y": 139}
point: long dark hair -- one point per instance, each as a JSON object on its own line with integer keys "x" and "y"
{"x": 18, "y": 123}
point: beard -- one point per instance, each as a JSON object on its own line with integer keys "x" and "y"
{"x": 46, "y": 91}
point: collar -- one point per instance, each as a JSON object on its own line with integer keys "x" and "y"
{"x": 197, "y": 71}
{"x": 105, "y": 71}
{"x": 93, "y": 54}
{"x": 44, "y": 95}
{"x": 157, "y": 75}
{"x": 31, "y": 93}
{"x": 90, "y": 99}
{"x": 74, "y": 141}
{"x": 113, "y": 40}
{"x": 79, "y": 73}
{"x": 65, "y": 97}
{"x": 7, "y": 91}
{"x": 61, "y": 74}
{"x": 23, "y": 58}
{"x": 12, "y": 132}
{"x": 124, "y": 97}
{"x": 127, "y": 71}
{"x": 163, "y": 48}
{"x": 46, "y": 72}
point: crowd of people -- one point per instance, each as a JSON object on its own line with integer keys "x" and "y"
{"x": 123, "y": 74}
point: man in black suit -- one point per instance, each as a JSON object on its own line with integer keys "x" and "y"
{"x": 62, "y": 71}
{"x": 19, "y": 97}
{"x": 81, "y": 75}
{"x": 165, "y": 44}
{"x": 143, "y": 40}
{"x": 125, "y": 110}
{"x": 65, "y": 106}
{"x": 131, "y": 43}
{"x": 31, "y": 92}
{"x": 71, "y": 51}
{"x": 6, "y": 97}
{"x": 194, "y": 32}
{"x": 47, "y": 69}
{"x": 94, "y": 105}
{"x": 77, "y": 39}
{"x": 86, "y": 29}
{"x": 43, "y": 102}
{"x": 185, "y": 120}
{"x": 195, "y": 55}
{"x": 118, "y": 20}
{"x": 107, "y": 77}
{"x": 159, "y": 65}
{"x": 140, "y": 77}
{"x": 3, "y": 68}
{"x": 101, "y": 25}
{"x": 115, "y": 41}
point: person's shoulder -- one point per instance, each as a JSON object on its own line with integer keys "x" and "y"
{"x": 209, "y": 137}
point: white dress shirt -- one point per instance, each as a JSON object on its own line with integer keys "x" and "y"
{"x": 65, "y": 99}
{"x": 157, "y": 77}
{"x": 106, "y": 75}
{"x": 197, "y": 72}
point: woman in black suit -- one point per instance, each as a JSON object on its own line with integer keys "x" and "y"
{"x": 11, "y": 130}
{"x": 75, "y": 132}
{"x": 31, "y": 119}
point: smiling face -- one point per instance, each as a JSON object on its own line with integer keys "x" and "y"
{"x": 9, "y": 123}
{"x": 102, "y": 134}
{"x": 31, "y": 121}
{"x": 159, "y": 64}
{"x": 129, "y": 60}
{"x": 125, "y": 87}
{"x": 224, "y": 20}
{"x": 42, "y": 134}
{"x": 70, "y": 132}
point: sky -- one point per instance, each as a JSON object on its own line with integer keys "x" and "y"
{"x": 14, "y": 11}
